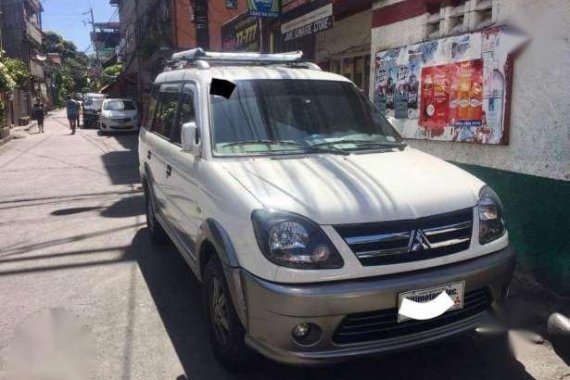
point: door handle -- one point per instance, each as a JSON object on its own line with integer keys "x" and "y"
{"x": 168, "y": 170}
{"x": 149, "y": 154}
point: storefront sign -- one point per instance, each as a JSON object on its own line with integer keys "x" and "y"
{"x": 241, "y": 34}
{"x": 451, "y": 89}
{"x": 310, "y": 23}
{"x": 263, "y": 8}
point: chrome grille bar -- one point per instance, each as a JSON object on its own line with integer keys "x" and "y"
{"x": 410, "y": 240}
{"x": 353, "y": 240}
{"x": 446, "y": 229}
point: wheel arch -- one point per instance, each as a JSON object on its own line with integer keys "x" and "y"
{"x": 214, "y": 240}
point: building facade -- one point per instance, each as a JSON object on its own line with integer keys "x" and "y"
{"x": 152, "y": 30}
{"x": 22, "y": 37}
{"x": 333, "y": 33}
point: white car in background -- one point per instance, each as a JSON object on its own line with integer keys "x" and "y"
{"x": 118, "y": 115}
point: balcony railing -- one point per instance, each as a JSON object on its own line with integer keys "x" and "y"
{"x": 33, "y": 33}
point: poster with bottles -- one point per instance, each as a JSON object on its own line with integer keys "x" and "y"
{"x": 450, "y": 89}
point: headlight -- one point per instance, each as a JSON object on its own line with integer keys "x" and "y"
{"x": 292, "y": 241}
{"x": 491, "y": 223}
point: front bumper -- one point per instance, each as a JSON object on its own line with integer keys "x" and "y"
{"x": 270, "y": 311}
{"x": 111, "y": 125}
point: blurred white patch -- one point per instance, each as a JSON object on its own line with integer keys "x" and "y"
{"x": 49, "y": 345}
{"x": 426, "y": 310}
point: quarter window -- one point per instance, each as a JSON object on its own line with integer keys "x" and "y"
{"x": 165, "y": 117}
{"x": 187, "y": 111}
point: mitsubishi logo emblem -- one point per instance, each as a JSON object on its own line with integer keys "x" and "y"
{"x": 419, "y": 241}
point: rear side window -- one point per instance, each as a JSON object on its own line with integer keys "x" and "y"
{"x": 151, "y": 109}
{"x": 187, "y": 111}
{"x": 166, "y": 110}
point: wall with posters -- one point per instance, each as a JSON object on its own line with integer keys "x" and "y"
{"x": 532, "y": 171}
{"x": 450, "y": 89}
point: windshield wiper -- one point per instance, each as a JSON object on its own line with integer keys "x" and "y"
{"x": 305, "y": 148}
{"x": 262, "y": 141}
{"x": 389, "y": 145}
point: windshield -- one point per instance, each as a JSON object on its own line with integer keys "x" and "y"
{"x": 292, "y": 116}
{"x": 94, "y": 101}
{"x": 119, "y": 105}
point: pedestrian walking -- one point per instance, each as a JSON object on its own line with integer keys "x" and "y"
{"x": 39, "y": 113}
{"x": 72, "y": 108}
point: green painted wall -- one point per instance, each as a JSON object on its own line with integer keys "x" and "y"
{"x": 537, "y": 211}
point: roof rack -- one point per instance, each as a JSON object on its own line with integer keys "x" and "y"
{"x": 202, "y": 59}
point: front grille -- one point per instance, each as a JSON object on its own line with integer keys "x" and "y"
{"x": 383, "y": 324}
{"x": 409, "y": 240}
{"x": 122, "y": 120}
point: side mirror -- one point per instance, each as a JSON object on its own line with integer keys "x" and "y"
{"x": 189, "y": 138}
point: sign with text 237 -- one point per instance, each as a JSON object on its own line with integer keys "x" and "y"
{"x": 263, "y": 8}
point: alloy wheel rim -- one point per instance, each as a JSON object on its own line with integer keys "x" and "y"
{"x": 219, "y": 312}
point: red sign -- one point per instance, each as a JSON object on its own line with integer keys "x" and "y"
{"x": 452, "y": 95}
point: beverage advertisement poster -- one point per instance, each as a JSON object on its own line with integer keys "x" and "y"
{"x": 450, "y": 89}
{"x": 434, "y": 111}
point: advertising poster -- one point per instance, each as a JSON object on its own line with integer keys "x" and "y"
{"x": 451, "y": 89}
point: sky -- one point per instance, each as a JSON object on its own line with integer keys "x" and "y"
{"x": 65, "y": 17}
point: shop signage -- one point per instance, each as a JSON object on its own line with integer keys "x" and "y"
{"x": 263, "y": 8}
{"x": 241, "y": 34}
{"x": 451, "y": 89}
{"x": 310, "y": 23}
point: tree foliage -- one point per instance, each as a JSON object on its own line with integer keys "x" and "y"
{"x": 13, "y": 73}
{"x": 72, "y": 75}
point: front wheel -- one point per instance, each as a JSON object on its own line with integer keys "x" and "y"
{"x": 226, "y": 331}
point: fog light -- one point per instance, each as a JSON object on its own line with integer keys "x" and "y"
{"x": 301, "y": 330}
{"x": 306, "y": 333}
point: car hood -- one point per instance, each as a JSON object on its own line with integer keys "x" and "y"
{"x": 359, "y": 188}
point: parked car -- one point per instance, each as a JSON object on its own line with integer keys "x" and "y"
{"x": 307, "y": 218}
{"x": 92, "y": 108}
{"x": 118, "y": 115}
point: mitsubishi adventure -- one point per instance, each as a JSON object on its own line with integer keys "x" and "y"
{"x": 317, "y": 233}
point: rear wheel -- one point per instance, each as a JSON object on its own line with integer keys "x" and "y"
{"x": 226, "y": 331}
{"x": 155, "y": 230}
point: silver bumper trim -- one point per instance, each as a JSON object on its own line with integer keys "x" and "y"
{"x": 274, "y": 309}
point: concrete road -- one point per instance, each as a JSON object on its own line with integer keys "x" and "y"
{"x": 73, "y": 243}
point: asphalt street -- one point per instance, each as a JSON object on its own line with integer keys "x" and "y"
{"x": 73, "y": 243}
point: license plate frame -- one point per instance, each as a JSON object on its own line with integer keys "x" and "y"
{"x": 455, "y": 290}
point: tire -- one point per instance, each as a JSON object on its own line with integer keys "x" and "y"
{"x": 558, "y": 327}
{"x": 225, "y": 329}
{"x": 155, "y": 230}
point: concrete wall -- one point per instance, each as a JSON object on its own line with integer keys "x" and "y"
{"x": 540, "y": 114}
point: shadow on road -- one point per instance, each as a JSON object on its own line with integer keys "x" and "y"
{"x": 122, "y": 167}
{"x": 178, "y": 299}
{"x": 73, "y": 210}
{"x": 125, "y": 207}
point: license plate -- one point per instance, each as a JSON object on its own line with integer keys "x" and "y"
{"x": 454, "y": 290}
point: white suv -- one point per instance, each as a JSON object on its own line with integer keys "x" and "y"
{"x": 307, "y": 219}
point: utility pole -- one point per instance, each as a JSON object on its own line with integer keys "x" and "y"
{"x": 201, "y": 21}
{"x": 137, "y": 52}
{"x": 94, "y": 39}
